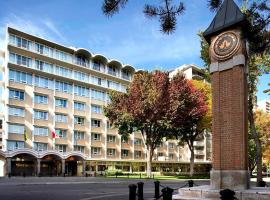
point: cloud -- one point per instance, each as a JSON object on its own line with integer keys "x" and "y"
{"x": 29, "y": 25}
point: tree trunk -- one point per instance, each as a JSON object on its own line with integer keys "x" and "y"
{"x": 191, "y": 172}
{"x": 149, "y": 163}
{"x": 258, "y": 148}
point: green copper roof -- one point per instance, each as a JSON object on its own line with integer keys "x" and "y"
{"x": 227, "y": 16}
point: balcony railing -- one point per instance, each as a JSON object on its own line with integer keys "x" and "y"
{"x": 124, "y": 76}
{"x": 112, "y": 73}
{"x": 198, "y": 143}
{"x": 96, "y": 66}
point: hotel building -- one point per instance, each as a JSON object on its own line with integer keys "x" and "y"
{"x": 51, "y": 113}
{"x": 264, "y": 105}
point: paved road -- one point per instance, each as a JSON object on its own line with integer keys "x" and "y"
{"x": 58, "y": 188}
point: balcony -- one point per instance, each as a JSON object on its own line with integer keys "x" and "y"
{"x": 199, "y": 152}
{"x": 199, "y": 143}
{"x": 124, "y": 76}
{"x": 96, "y": 66}
{"x": 82, "y": 63}
{"x": 112, "y": 72}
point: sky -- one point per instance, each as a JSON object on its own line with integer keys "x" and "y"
{"x": 128, "y": 36}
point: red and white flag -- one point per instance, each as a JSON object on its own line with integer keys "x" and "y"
{"x": 54, "y": 135}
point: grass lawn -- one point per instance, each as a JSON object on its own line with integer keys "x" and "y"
{"x": 160, "y": 177}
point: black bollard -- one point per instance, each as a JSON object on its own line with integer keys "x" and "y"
{"x": 132, "y": 192}
{"x": 262, "y": 184}
{"x": 157, "y": 193}
{"x": 190, "y": 183}
{"x": 9, "y": 175}
{"x": 167, "y": 193}
{"x": 227, "y": 194}
{"x": 140, "y": 190}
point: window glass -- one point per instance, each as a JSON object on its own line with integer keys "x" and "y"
{"x": 41, "y": 131}
{"x": 61, "y": 118}
{"x": 16, "y": 128}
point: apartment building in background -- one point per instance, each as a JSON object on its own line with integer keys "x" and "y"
{"x": 264, "y": 105}
{"x": 51, "y": 113}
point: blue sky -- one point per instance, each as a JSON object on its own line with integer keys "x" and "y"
{"x": 127, "y": 36}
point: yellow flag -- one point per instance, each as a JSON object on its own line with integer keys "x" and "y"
{"x": 25, "y": 135}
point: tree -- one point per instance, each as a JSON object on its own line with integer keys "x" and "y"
{"x": 142, "y": 108}
{"x": 262, "y": 125}
{"x": 187, "y": 113}
{"x": 166, "y": 12}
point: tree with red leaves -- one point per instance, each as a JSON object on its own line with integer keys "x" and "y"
{"x": 187, "y": 112}
{"x": 143, "y": 108}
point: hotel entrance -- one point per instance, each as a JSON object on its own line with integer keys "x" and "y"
{"x": 50, "y": 165}
{"x": 23, "y": 165}
{"x": 75, "y": 166}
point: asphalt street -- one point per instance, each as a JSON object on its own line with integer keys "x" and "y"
{"x": 59, "y": 188}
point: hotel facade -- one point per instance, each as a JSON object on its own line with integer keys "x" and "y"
{"x": 51, "y": 114}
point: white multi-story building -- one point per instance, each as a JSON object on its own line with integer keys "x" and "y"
{"x": 264, "y": 105}
{"x": 51, "y": 119}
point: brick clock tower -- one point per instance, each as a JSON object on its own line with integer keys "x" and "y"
{"x": 229, "y": 86}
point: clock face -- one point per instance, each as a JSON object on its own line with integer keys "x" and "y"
{"x": 226, "y": 45}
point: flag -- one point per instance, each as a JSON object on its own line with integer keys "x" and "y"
{"x": 54, "y": 135}
{"x": 25, "y": 135}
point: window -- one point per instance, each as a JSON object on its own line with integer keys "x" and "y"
{"x": 79, "y": 106}
{"x": 98, "y": 81}
{"x": 61, "y": 147}
{"x": 113, "y": 85}
{"x": 61, "y": 118}
{"x": 79, "y": 135}
{"x": 112, "y": 70}
{"x": 111, "y": 138}
{"x": 79, "y": 120}
{"x": 96, "y": 109}
{"x": 124, "y": 153}
{"x": 16, "y": 94}
{"x": 95, "y": 123}
{"x": 15, "y": 111}
{"x": 171, "y": 156}
{"x": 95, "y": 150}
{"x": 138, "y": 154}
{"x": 160, "y": 154}
{"x": 16, "y": 128}
{"x": 80, "y": 76}
{"x": 124, "y": 140}
{"x": 61, "y": 133}
{"x": 44, "y": 66}
{"x": 98, "y": 95}
{"x": 1, "y": 123}
{"x": 137, "y": 142}
{"x": 95, "y": 136}
{"x": 39, "y": 48}
{"x": 40, "y": 115}
{"x": 63, "y": 87}
{"x": 81, "y": 91}
{"x": 160, "y": 145}
{"x": 38, "y": 146}
{"x": 109, "y": 125}
{"x": 41, "y": 99}
{"x": 96, "y": 65}
{"x": 12, "y": 145}
{"x": 110, "y": 152}
{"x": 20, "y": 60}
{"x": 63, "y": 71}
{"x": 40, "y": 131}
{"x": 43, "y": 82}
{"x": 171, "y": 145}
{"x": 61, "y": 103}
{"x": 20, "y": 77}
{"x": 79, "y": 148}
